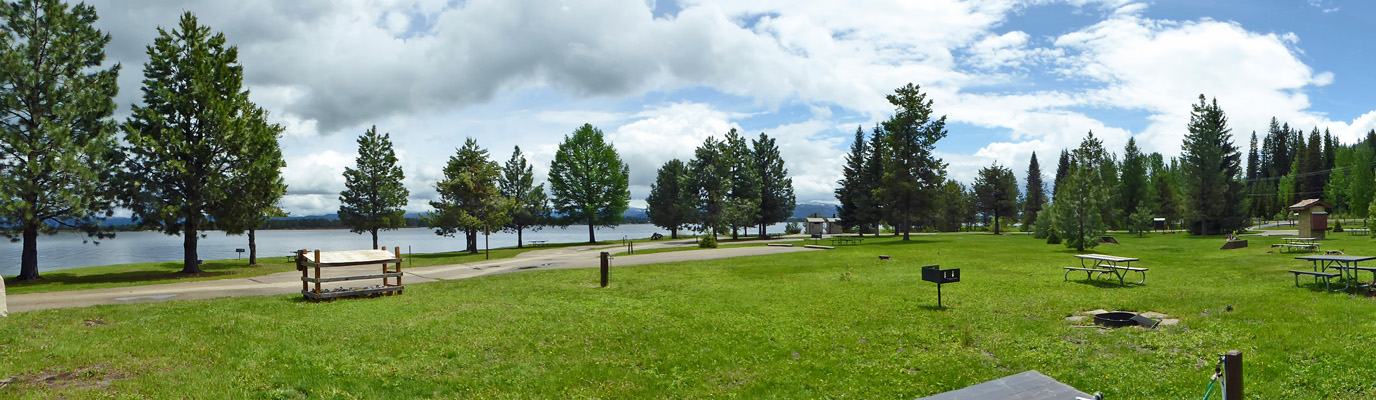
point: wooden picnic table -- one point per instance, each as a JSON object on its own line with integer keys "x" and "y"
{"x": 1106, "y": 264}
{"x": 1358, "y": 231}
{"x": 1346, "y": 266}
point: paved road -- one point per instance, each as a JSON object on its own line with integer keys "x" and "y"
{"x": 290, "y": 282}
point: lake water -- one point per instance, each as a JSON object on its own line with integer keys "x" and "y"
{"x": 74, "y": 250}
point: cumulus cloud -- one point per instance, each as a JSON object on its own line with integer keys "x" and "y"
{"x": 659, "y": 80}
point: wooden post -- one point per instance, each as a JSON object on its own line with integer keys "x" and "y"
{"x": 397, "y": 252}
{"x": 606, "y": 265}
{"x": 1232, "y": 375}
{"x": 317, "y": 271}
{"x": 384, "y": 269}
{"x": 301, "y": 255}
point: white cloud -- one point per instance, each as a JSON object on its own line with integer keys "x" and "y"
{"x": 433, "y": 72}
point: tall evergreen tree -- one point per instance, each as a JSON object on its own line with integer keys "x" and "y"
{"x": 58, "y": 151}
{"x": 672, "y": 199}
{"x": 912, "y": 174}
{"x": 996, "y": 193}
{"x": 1062, "y": 168}
{"x": 374, "y": 198}
{"x": 743, "y": 200}
{"x": 711, "y": 174}
{"x": 872, "y": 212}
{"x": 1211, "y": 167}
{"x": 470, "y": 200}
{"x": 955, "y": 210}
{"x": 588, "y": 182}
{"x": 1078, "y": 219}
{"x": 776, "y": 188}
{"x": 530, "y": 205}
{"x": 852, "y": 189}
{"x": 1134, "y": 179}
{"x": 1035, "y": 197}
{"x": 1253, "y": 179}
{"x": 194, "y": 137}
{"x": 253, "y": 201}
{"x": 1311, "y": 174}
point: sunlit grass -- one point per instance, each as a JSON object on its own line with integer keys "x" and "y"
{"x": 791, "y": 325}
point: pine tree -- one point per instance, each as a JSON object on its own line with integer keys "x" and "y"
{"x": 671, "y": 200}
{"x": 1134, "y": 181}
{"x": 58, "y": 151}
{"x": 588, "y": 182}
{"x": 852, "y": 188}
{"x": 776, "y": 188}
{"x": 743, "y": 200}
{"x": 1311, "y": 174}
{"x": 470, "y": 200}
{"x": 1035, "y": 196}
{"x": 374, "y": 198}
{"x": 912, "y": 174}
{"x": 1361, "y": 188}
{"x": 1079, "y": 220}
{"x": 1062, "y": 168}
{"x": 253, "y": 201}
{"x": 195, "y": 137}
{"x": 1211, "y": 165}
{"x": 996, "y": 193}
{"x": 872, "y": 211}
{"x": 530, "y": 205}
{"x": 711, "y": 182}
{"x": 1253, "y": 179}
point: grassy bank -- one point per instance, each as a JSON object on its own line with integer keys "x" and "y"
{"x": 836, "y": 323}
{"x": 125, "y": 275}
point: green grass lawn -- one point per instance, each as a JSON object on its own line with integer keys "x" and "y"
{"x": 823, "y": 324}
{"x": 123, "y": 275}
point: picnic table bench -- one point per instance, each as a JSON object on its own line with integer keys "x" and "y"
{"x": 1358, "y": 231}
{"x": 537, "y": 243}
{"x": 1298, "y": 244}
{"x": 1345, "y": 265}
{"x": 1106, "y": 264}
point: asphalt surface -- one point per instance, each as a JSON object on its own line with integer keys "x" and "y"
{"x": 290, "y": 282}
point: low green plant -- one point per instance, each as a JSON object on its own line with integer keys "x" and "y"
{"x": 708, "y": 241}
{"x": 792, "y": 228}
{"x": 1337, "y": 226}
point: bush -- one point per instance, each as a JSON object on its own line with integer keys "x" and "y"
{"x": 1337, "y": 226}
{"x": 708, "y": 242}
{"x": 1053, "y": 239}
{"x": 792, "y": 228}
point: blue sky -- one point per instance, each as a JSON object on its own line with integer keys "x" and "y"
{"x": 660, "y": 76}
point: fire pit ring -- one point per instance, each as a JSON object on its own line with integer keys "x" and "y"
{"x": 1115, "y": 319}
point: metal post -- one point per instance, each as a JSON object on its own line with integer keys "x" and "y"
{"x": 1232, "y": 375}
{"x": 938, "y": 295}
{"x": 606, "y": 266}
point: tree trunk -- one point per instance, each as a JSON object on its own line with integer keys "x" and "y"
{"x": 374, "y": 231}
{"x": 252, "y": 248}
{"x": 762, "y": 234}
{"x": 734, "y": 230}
{"x": 518, "y": 237}
{"x": 996, "y": 223}
{"x": 907, "y": 225}
{"x": 28, "y": 265}
{"x": 592, "y": 238}
{"x": 471, "y": 237}
{"x": 191, "y": 264}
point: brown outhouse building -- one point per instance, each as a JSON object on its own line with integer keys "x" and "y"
{"x": 1312, "y": 218}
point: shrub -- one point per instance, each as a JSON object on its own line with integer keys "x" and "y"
{"x": 1053, "y": 239}
{"x": 708, "y": 242}
{"x": 792, "y": 228}
{"x": 1337, "y": 226}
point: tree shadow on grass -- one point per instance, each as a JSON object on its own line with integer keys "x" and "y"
{"x": 1106, "y": 283}
{"x": 933, "y": 307}
{"x": 155, "y": 276}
